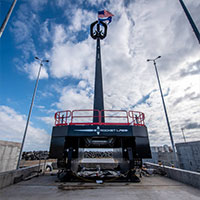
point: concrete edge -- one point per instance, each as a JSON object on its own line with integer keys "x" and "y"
{"x": 13, "y": 176}
{"x": 184, "y": 176}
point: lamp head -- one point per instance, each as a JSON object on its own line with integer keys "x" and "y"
{"x": 153, "y": 59}
{"x": 41, "y": 60}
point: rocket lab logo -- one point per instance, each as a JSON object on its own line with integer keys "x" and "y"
{"x": 98, "y": 130}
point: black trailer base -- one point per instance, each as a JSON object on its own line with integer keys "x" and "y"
{"x": 70, "y": 138}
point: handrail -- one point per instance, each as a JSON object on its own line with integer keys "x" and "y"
{"x": 61, "y": 117}
{"x": 125, "y": 116}
{"x": 137, "y": 118}
{"x": 83, "y": 117}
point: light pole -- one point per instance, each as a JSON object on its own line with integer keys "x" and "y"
{"x": 30, "y": 110}
{"x": 183, "y": 134}
{"x": 3, "y": 26}
{"x": 194, "y": 27}
{"x": 165, "y": 110}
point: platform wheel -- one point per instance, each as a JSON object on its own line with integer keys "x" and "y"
{"x": 132, "y": 176}
{"x": 64, "y": 175}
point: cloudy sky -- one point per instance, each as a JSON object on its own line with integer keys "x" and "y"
{"x": 58, "y": 30}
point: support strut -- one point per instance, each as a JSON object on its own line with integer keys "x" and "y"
{"x": 98, "y": 34}
{"x": 131, "y": 175}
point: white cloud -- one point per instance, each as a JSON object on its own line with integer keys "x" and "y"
{"x": 82, "y": 84}
{"x": 74, "y": 98}
{"x": 38, "y": 4}
{"x": 32, "y": 70}
{"x": 48, "y": 120}
{"x": 70, "y": 59}
{"x": 61, "y": 3}
{"x": 36, "y": 139}
{"x": 79, "y": 21}
{"x": 44, "y": 31}
{"x": 40, "y": 107}
{"x": 23, "y": 29}
{"x": 59, "y": 35}
{"x": 95, "y": 2}
{"x": 182, "y": 104}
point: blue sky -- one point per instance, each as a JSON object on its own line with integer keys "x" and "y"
{"x": 59, "y": 31}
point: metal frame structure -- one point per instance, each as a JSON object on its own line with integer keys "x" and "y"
{"x": 65, "y": 118}
{"x": 114, "y": 129}
{"x": 74, "y": 130}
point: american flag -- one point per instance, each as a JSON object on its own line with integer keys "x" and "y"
{"x": 104, "y": 15}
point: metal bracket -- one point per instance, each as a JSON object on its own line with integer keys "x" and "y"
{"x": 98, "y": 33}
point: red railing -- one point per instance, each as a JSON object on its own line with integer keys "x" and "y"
{"x": 61, "y": 118}
{"x": 111, "y": 117}
{"x": 137, "y": 118}
{"x": 84, "y": 117}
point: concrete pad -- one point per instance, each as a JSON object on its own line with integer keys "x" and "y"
{"x": 150, "y": 188}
